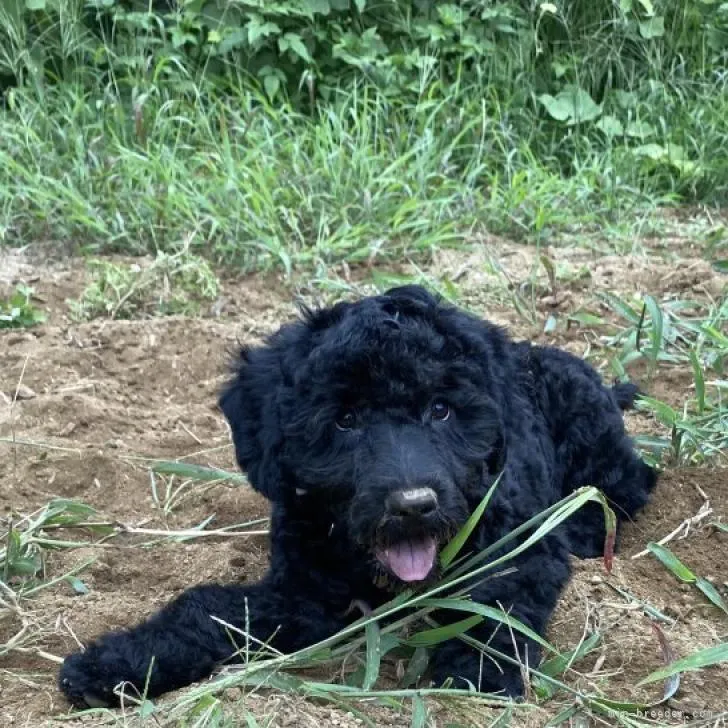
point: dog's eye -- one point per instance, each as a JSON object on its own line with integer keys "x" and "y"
{"x": 346, "y": 421}
{"x": 439, "y": 410}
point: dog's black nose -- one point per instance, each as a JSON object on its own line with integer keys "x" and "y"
{"x": 412, "y": 502}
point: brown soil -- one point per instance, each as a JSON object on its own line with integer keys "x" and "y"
{"x": 101, "y": 396}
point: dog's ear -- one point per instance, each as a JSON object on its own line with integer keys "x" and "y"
{"x": 251, "y": 403}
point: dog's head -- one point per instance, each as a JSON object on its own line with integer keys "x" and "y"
{"x": 387, "y": 409}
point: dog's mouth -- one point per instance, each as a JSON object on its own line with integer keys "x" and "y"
{"x": 409, "y": 560}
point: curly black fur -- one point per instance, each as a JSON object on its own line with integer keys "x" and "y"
{"x": 350, "y": 405}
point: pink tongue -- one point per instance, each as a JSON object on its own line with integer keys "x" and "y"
{"x": 410, "y": 561}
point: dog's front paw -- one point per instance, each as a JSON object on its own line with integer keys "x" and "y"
{"x": 88, "y": 679}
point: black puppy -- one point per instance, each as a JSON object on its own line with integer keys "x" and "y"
{"x": 375, "y": 428}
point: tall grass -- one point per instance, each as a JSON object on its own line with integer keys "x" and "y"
{"x": 126, "y": 143}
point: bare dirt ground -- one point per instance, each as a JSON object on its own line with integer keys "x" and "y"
{"x": 101, "y": 396}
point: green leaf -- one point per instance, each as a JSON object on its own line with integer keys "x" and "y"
{"x": 639, "y": 130}
{"x": 233, "y": 40}
{"x": 374, "y": 655}
{"x": 146, "y": 709}
{"x": 453, "y": 548}
{"x": 699, "y": 379}
{"x": 557, "y": 665}
{"x": 672, "y": 563}
{"x": 653, "y": 27}
{"x": 294, "y": 43}
{"x": 258, "y": 28}
{"x": 610, "y": 126}
{"x": 78, "y": 586}
{"x": 416, "y": 667}
{"x": 497, "y": 615}
{"x": 572, "y": 105}
{"x": 436, "y": 635}
{"x": 696, "y": 661}
{"x": 322, "y": 7}
{"x": 35, "y": 4}
{"x": 419, "y": 712}
{"x": 682, "y": 572}
{"x": 656, "y": 333}
{"x": 195, "y": 472}
{"x": 711, "y": 593}
{"x": 271, "y": 84}
{"x": 585, "y": 318}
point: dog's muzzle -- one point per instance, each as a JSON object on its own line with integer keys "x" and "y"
{"x": 410, "y": 558}
{"x": 414, "y": 502}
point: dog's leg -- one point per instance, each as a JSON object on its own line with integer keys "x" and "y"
{"x": 182, "y": 643}
{"x": 528, "y": 595}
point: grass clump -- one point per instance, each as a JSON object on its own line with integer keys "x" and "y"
{"x": 177, "y": 283}
{"x": 18, "y": 311}
{"x": 300, "y": 133}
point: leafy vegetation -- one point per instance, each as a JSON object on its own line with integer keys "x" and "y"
{"x": 18, "y": 311}
{"x": 307, "y": 131}
{"x": 171, "y": 284}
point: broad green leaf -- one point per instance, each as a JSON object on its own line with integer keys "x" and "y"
{"x": 610, "y": 126}
{"x": 639, "y": 130}
{"x": 696, "y": 661}
{"x": 258, "y": 28}
{"x": 653, "y": 27}
{"x": 572, "y": 105}
{"x": 294, "y": 43}
{"x": 271, "y": 84}
{"x": 35, "y": 4}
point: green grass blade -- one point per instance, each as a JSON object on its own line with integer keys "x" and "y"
{"x": 195, "y": 472}
{"x": 699, "y": 379}
{"x": 436, "y": 635}
{"x": 696, "y": 661}
{"x": 373, "y": 655}
{"x": 497, "y": 615}
{"x": 450, "y": 552}
{"x": 419, "y": 712}
{"x": 656, "y": 331}
{"x": 672, "y": 563}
